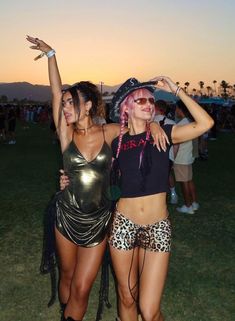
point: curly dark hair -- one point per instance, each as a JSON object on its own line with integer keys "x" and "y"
{"x": 89, "y": 92}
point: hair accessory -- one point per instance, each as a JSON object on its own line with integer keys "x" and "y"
{"x": 129, "y": 86}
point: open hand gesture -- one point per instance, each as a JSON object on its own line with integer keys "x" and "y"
{"x": 165, "y": 83}
{"x": 39, "y": 45}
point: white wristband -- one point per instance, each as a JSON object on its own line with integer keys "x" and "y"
{"x": 50, "y": 53}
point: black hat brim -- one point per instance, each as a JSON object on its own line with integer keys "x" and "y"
{"x": 114, "y": 114}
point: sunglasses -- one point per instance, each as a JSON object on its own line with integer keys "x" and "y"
{"x": 143, "y": 101}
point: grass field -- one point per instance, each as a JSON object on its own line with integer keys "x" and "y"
{"x": 200, "y": 284}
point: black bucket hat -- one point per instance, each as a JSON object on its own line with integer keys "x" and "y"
{"x": 123, "y": 91}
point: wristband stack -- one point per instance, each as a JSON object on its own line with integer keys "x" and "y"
{"x": 50, "y": 53}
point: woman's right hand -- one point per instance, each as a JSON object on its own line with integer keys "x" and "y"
{"x": 64, "y": 180}
{"x": 166, "y": 84}
{"x": 39, "y": 45}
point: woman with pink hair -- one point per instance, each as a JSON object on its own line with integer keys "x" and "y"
{"x": 140, "y": 235}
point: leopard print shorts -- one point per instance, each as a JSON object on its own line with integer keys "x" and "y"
{"x": 126, "y": 235}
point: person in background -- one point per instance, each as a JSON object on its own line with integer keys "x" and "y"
{"x": 2, "y": 124}
{"x": 213, "y": 113}
{"x": 161, "y": 117}
{"x": 183, "y": 164}
{"x": 11, "y": 120}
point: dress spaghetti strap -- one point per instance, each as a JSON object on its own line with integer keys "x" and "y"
{"x": 103, "y": 132}
{"x": 73, "y": 134}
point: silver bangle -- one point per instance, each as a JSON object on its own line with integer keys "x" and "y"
{"x": 50, "y": 53}
{"x": 177, "y": 91}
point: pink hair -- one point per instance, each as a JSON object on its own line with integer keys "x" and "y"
{"x": 128, "y": 104}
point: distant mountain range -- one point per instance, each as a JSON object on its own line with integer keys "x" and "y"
{"x": 22, "y": 90}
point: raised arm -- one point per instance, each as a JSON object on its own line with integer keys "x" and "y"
{"x": 202, "y": 121}
{"x": 54, "y": 78}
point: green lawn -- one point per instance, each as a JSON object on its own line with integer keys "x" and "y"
{"x": 200, "y": 282}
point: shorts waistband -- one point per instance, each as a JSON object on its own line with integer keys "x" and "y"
{"x": 117, "y": 212}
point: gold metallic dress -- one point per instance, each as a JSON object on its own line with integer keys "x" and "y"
{"x": 83, "y": 208}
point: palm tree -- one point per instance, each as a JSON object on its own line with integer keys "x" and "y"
{"x": 225, "y": 85}
{"x": 194, "y": 91}
{"x": 101, "y": 87}
{"x": 201, "y": 84}
{"x": 177, "y": 83}
{"x": 186, "y": 86}
{"x": 215, "y": 82}
{"x": 209, "y": 90}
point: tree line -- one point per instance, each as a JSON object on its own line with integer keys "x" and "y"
{"x": 223, "y": 89}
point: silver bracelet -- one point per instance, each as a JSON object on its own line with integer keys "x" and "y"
{"x": 50, "y": 53}
{"x": 177, "y": 91}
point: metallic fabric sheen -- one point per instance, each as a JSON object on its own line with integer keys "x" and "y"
{"x": 83, "y": 208}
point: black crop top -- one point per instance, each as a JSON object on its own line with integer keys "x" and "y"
{"x": 156, "y": 180}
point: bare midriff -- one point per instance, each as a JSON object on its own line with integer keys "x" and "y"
{"x": 145, "y": 209}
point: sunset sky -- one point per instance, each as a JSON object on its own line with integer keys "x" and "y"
{"x": 112, "y": 40}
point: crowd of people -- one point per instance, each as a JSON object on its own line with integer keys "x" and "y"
{"x": 8, "y": 124}
{"x": 23, "y": 114}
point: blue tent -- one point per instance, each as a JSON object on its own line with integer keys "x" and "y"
{"x": 163, "y": 95}
{"x": 212, "y": 100}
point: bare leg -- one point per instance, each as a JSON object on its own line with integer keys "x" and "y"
{"x": 186, "y": 193}
{"x": 67, "y": 252}
{"x": 192, "y": 190}
{"x": 152, "y": 283}
{"x": 171, "y": 180}
{"x": 88, "y": 262}
{"x": 121, "y": 260}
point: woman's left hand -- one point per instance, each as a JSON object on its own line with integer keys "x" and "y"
{"x": 159, "y": 136}
{"x": 166, "y": 84}
{"x": 39, "y": 45}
